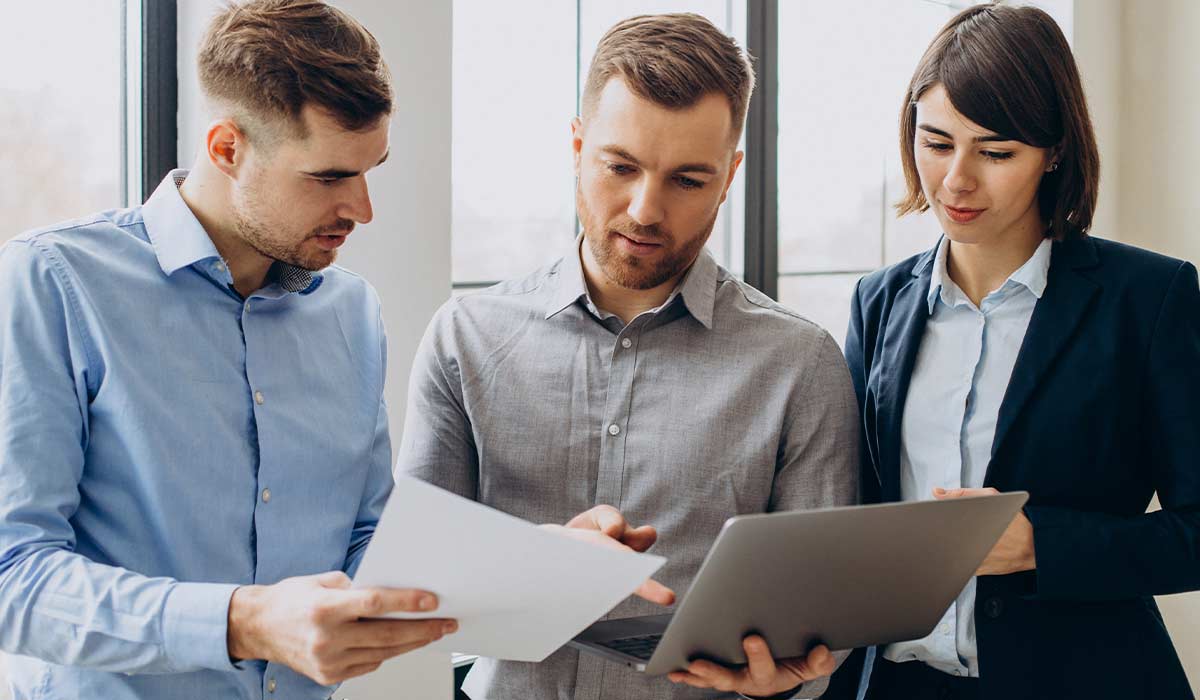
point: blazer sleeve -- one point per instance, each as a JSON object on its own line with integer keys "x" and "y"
{"x": 1097, "y": 556}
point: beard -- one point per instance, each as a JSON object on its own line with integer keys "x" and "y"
{"x": 631, "y": 271}
{"x": 272, "y": 241}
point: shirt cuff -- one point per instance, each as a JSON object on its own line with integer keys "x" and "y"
{"x": 196, "y": 626}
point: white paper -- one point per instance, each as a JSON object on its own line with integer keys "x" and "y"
{"x": 517, "y": 591}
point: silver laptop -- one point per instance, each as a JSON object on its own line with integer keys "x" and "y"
{"x": 844, "y": 577}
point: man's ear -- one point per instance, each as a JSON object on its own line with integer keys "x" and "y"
{"x": 577, "y": 141}
{"x": 225, "y": 145}
{"x": 733, "y": 167}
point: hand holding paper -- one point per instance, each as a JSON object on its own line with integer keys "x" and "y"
{"x": 518, "y": 591}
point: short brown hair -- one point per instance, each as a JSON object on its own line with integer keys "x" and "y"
{"x": 268, "y": 59}
{"x": 1010, "y": 70}
{"x": 673, "y": 60}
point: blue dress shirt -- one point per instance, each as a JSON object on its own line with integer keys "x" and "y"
{"x": 162, "y": 441}
{"x": 962, "y": 370}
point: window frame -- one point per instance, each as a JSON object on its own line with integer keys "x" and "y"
{"x": 157, "y": 100}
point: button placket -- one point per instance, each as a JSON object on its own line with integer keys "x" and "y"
{"x": 611, "y": 474}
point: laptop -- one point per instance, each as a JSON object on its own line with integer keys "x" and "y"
{"x": 844, "y": 577}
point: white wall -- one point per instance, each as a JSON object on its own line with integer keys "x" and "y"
{"x": 1141, "y": 69}
{"x": 1159, "y": 205}
{"x": 405, "y": 251}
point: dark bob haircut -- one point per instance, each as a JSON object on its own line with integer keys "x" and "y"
{"x": 1010, "y": 70}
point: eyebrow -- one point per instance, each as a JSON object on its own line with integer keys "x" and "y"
{"x": 338, "y": 174}
{"x": 685, "y": 168}
{"x": 978, "y": 139}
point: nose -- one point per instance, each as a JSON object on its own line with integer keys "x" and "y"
{"x": 357, "y": 205}
{"x": 959, "y": 178}
{"x": 646, "y": 207}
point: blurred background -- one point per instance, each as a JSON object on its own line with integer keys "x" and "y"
{"x": 99, "y": 99}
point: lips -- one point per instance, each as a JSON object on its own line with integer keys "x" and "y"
{"x": 962, "y": 215}
{"x": 330, "y": 242}
{"x": 634, "y": 246}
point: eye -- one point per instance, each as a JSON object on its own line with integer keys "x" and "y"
{"x": 619, "y": 168}
{"x": 937, "y": 146}
{"x": 997, "y": 155}
{"x": 688, "y": 183}
{"x": 326, "y": 181}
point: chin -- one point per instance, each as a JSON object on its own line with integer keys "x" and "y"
{"x": 965, "y": 235}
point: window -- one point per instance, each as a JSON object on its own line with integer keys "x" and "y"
{"x": 59, "y": 163}
{"x": 89, "y": 121}
{"x": 839, "y": 170}
{"x": 518, "y": 69}
{"x": 843, "y": 70}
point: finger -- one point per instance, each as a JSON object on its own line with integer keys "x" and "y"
{"x": 715, "y": 675}
{"x": 761, "y": 666}
{"x": 333, "y": 579}
{"x": 688, "y": 679}
{"x": 381, "y": 634}
{"x": 655, "y": 592}
{"x": 377, "y": 655}
{"x": 820, "y": 661}
{"x": 609, "y": 521}
{"x": 360, "y": 670}
{"x": 640, "y": 538}
{"x": 709, "y": 671}
{"x": 376, "y": 602}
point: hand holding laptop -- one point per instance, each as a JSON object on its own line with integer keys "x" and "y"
{"x": 1014, "y": 551}
{"x": 762, "y": 675}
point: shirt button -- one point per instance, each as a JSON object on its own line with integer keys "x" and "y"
{"x": 626, "y": 343}
{"x": 258, "y": 398}
{"x": 266, "y": 495}
{"x": 614, "y": 429}
{"x": 271, "y": 686}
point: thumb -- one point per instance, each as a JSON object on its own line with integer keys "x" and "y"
{"x": 609, "y": 521}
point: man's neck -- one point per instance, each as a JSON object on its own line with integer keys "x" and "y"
{"x": 625, "y": 303}
{"x": 206, "y": 193}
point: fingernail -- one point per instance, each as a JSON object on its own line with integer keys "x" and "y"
{"x": 450, "y": 628}
{"x": 426, "y": 602}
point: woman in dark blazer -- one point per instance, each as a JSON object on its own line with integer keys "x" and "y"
{"x": 1023, "y": 354}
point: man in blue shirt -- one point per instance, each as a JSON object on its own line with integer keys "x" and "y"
{"x": 193, "y": 441}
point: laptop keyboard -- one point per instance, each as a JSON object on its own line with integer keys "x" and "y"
{"x": 637, "y": 647}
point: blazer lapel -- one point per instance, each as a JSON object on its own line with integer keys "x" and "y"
{"x": 1055, "y": 318}
{"x": 901, "y": 339}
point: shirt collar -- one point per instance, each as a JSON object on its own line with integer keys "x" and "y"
{"x": 179, "y": 240}
{"x": 570, "y": 286}
{"x": 1032, "y": 275}
{"x": 698, "y": 287}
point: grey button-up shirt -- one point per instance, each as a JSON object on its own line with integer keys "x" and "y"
{"x": 720, "y": 402}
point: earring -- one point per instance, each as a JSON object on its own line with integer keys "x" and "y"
{"x": 1053, "y": 167}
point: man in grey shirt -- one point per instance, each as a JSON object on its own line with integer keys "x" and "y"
{"x": 635, "y": 371}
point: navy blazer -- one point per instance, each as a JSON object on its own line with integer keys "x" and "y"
{"x": 1102, "y": 412}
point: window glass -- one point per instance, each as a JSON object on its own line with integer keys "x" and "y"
{"x": 61, "y": 147}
